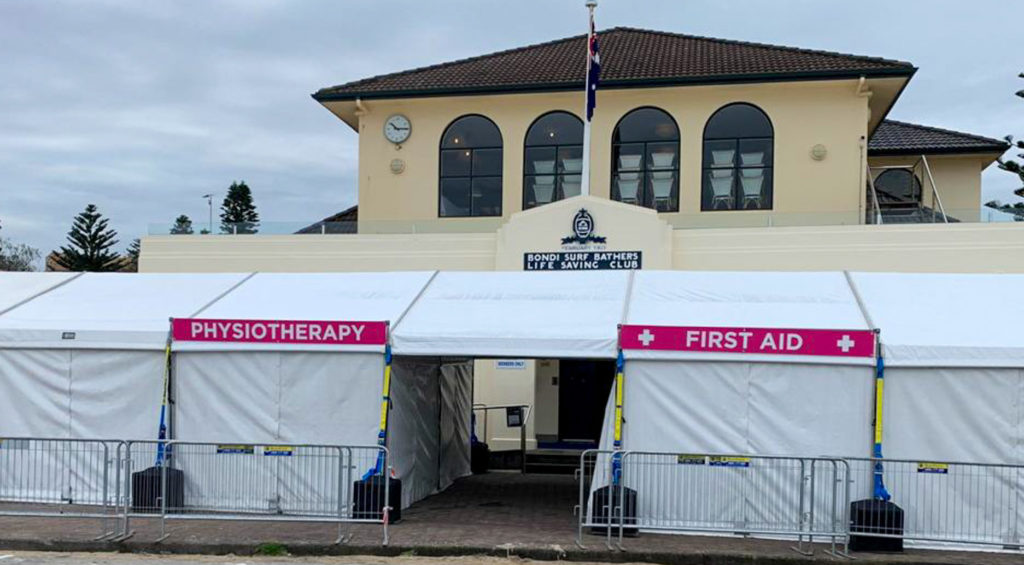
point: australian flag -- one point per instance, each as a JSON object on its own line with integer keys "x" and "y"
{"x": 593, "y": 69}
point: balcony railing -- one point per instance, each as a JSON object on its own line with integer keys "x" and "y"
{"x": 706, "y": 220}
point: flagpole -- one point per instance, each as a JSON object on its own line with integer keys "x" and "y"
{"x": 585, "y": 180}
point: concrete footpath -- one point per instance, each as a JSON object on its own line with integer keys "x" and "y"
{"x": 525, "y": 518}
{"x": 531, "y": 542}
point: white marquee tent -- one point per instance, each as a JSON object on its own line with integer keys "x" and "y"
{"x": 85, "y": 359}
{"x": 731, "y": 403}
{"x": 516, "y": 314}
{"x": 778, "y": 404}
{"x": 951, "y": 344}
{"x": 953, "y": 347}
{"x": 322, "y": 394}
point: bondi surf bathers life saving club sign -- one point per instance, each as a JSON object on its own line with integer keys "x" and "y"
{"x": 582, "y": 250}
{"x": 280, "y": 331}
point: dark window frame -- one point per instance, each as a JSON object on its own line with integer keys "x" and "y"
{"x": 559, "y": 176}
{"x": 441, "y": 177}
{"x": 646, "y": 195}
{"x": 737, "y": 168}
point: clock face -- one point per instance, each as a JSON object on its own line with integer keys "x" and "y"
{"x": 397, "y": 128}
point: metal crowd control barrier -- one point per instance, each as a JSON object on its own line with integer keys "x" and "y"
{"x": 117, "y": 481}
{"x": 240, "y": 481}
{"x": 800, "y": 497}
{"x": 943, "y": 501}
{"x": 61, "y": 478}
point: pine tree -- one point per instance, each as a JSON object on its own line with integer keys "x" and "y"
{"x": 132, "y": 253}
{"x": 1013, "y": 167}
{"x": 182, "y": 226}
{"x": 238, "y": 212}
{"x": 90, "y": 244}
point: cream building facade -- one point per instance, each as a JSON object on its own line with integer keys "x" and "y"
{"x": 705, "y": 154}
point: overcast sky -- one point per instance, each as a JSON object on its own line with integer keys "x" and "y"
{"x": 141, "y": 107}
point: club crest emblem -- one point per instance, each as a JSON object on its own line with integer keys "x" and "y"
{"x": 582, "y": 229}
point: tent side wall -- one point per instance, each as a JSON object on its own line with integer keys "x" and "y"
{"x": 429, "y": 424}
{"x": 699, "y": 407}
{"x": 84, "y": 394}
{"x": 954, "y": 414}
{"x": 273, "y": 398}
{"x": 752, "y": 408}
{"x": 456, "y": 420}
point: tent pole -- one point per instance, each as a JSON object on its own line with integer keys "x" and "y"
{"x": 879, "y": 490}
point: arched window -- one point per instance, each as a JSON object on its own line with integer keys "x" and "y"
{"x": 645, "y": 160}
{"x": 737, "y": 172}
{"x": 553, "y": 159}
{"x": 897, "y": 186}
{"x": 470, "y": 183}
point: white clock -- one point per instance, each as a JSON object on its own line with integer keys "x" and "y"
{"x": 397, "y": 128}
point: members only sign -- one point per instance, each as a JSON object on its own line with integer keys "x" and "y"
{"x": 280, "y": 331}
{"x": 749, "y": 341}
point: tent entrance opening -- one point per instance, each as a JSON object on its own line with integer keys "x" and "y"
{"x": 582, "y": 396}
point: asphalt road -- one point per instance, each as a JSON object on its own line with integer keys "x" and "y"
{"x": 55, "y": 558}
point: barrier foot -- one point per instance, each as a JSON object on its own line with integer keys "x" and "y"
{"x": 105, "y": 536}
{"x": 343, "y": 537}
{"x": 579, "y": 544}
{"x": 122, "y": 537}
{"x": 799, "y": 547}
{"x": 161, "y": 538}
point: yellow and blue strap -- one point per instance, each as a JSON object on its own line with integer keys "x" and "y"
{"x": 161, "y": 451}
{"x": 880, "y": 492}
{"x": 620, "y": 364}
{"x": 385, "y": 405}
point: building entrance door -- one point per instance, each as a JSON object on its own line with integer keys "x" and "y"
{"x": 583, "y": 389}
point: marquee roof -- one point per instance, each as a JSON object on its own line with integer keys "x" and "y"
{"x": 935, "y": 320}
{"x": 516, "y": 314}
{"x": 18, "y": 287}
{"x": 363, "y": 297}
{"x": 109, "y": 310}
{"x": 946, "y": 320}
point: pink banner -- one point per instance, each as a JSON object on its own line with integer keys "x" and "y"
{"x": 749, "y": 341}
{"x": 280, "y": 331}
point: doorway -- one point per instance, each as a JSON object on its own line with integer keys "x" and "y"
{"x": 583, "y": 390}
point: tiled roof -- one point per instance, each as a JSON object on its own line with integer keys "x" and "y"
{"x": 629, "y": 57}
{"x": 902, "y": 138}
{"x": 341, "y": 222}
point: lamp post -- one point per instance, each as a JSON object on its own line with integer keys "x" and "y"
{"x": 209, "y": 203}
